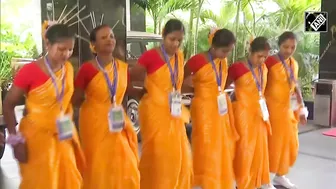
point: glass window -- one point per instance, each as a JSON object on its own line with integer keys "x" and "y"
{"x": 151, "y": 44}
{"x": 134, "y": 49}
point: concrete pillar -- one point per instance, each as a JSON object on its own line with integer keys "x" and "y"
{"x": 128, "y": 15}
{"x": 327, "y": 66}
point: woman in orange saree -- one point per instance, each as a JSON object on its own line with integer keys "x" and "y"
{"x": 109, "y": 141}
{"x": 47, "y": 145}
{"x": 213, "y": 133}
{"x": 251, "y": 118}
{"x": 166, "y": 156}
{"x": 286, "y": 109}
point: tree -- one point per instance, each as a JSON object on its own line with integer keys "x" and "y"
{"x": 159, "y": 9}
{"x": 199, "y": 8}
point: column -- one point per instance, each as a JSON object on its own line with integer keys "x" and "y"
{"x": 327, "y": 66}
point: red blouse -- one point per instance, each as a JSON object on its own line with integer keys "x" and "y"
{"x": 151, "y": 60}
{"x": 29, "y": 77}
{"x": 271, "y": 61}
{"x": 236, "y": 70}
{"x": 196, "y": 62}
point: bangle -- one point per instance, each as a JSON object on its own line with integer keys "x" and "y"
{"x": 304, "y": 112}
{"x": 16, "y": 139}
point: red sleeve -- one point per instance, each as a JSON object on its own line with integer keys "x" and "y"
{"x": 196, "y": 62}
{"x": 271, "y": 61}
{"x": 24, "y": 80}
{"x": 151, "y": 60}
{"x": 237, "y": 70}
{"x": 85, "y": 74}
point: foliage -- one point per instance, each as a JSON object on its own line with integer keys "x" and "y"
{"x": 5, "y": 68}
{"x": 22, "y": 46}
{"x": 158, "y": 9}
{"x": 13, "y": 45}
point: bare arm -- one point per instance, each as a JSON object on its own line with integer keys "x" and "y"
{"x": 12, "y": 99}
{"x": 136, "y": 83}
{"x": 137, "y": 73}
{"x": 78, "y": 97}
{"x": 187, "y": 86}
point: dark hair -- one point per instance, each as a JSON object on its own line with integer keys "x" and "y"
{"x": 223, "y": 38}
{"x": 58, "y": 32}
{"x": 260, "y": 44}
{"x": 93, "y": 34}
{"x": 285, "y": 36}
{"x": 173, "y": 25}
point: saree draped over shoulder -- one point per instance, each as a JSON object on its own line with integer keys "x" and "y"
{"x": 52, "y": 164}
{"x": 251, "y": 160}
{"x": 283, "y": 144}
{"x": 112, "y": 157}
{"x": 213, "y": 136}
{"x": 166, "y": 156}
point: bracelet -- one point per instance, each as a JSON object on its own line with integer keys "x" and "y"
{"x": 14, "y": 140}
{"x": 304, "y": 111}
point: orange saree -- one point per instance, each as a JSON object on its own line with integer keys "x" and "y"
{"x": 283, "y": 144}
{"x": 166, "y": 156}
{"x": 52, "y": 163}
{"x": 112, "y": 157}
{"x": 213, "y": 135}
{"x": 251, "y": 160}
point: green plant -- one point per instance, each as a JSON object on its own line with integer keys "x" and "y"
{"x": 13, "y": 46}
{"x": 5, "y": 68}
{"x": 22, "y": 46}
{"x": 159, "y": 9}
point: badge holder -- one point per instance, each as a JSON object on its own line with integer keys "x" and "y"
{"x": 116, "y": 118}
{"x": 222, "y": 103}
{"x": 264, "y": 109}
{"x": 175, "y": 101}
{"x": 65, "y": 127}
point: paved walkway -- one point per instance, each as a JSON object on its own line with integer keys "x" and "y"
{"x": 315, "y": 167}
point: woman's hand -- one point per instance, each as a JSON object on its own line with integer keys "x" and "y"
{"x": 19, "y": 145}
{"x": 303, "y": 119}
{"x": 20, "y": 152}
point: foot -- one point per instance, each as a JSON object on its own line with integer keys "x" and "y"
{"x": 283, "y": 181}
{"x": 268, "y": 186}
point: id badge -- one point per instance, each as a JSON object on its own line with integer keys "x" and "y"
{"x": 264, "y": 110}
{"x": 175, "y": 101}
{"x": 222, "y": 104}
{"x": 116, "y": 119}
{"x": 65, "y": 127}
{"x": 294, "y": 105}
